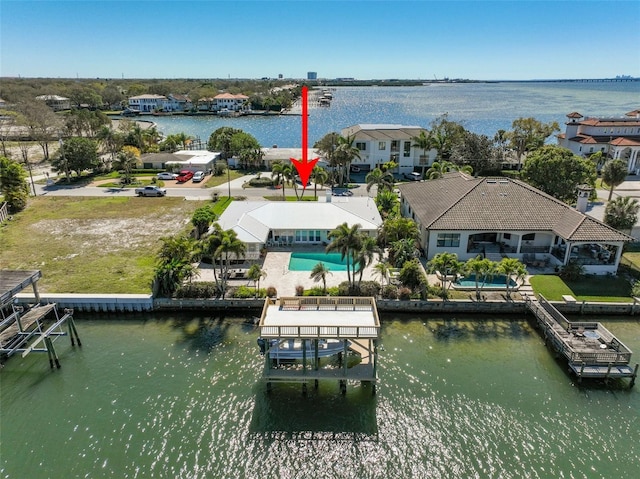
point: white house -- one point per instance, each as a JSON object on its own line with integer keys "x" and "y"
{"x": 147, "y": 103}
{"x": 500, "y": 217}
{"x": 616, "y": 138}
{"x": 380, "y": 143}
{"x": 275, "y": 223}
{"x": 230, "y": 102}
{"x": 56, "y": 102}
{"x": 177, "y": 102}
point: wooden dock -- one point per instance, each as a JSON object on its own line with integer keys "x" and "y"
{"x": 352, "y": 320}
{"x": 590, "y": 349}
{"x": 33, "y": 328}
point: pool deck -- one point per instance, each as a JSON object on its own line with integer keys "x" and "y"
{"x": 276, "y": 265}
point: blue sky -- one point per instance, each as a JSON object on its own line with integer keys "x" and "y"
{"x": 484, "y": 40}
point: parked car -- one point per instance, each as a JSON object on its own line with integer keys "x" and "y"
{"x": 184, "y": 176}
{"x": 165, "y": 175}
{"x": 151, "y": 191}
{"x": 413, "y": 176}
{"x": 198, "y": 176}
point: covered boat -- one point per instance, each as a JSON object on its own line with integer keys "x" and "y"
{"x": 291, "y": 349}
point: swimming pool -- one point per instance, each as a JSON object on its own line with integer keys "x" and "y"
{"x": 306, "y": 261}
{"x": 494, "y": 282}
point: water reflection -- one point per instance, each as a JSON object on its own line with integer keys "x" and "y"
{"x": 323, "y": 414}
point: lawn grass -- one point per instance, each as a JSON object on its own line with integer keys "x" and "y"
{"x": 221, "y": 179}
{"x": 588, "y": 288}
{"x": 92, "y": 245}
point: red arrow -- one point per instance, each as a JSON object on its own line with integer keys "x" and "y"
{"x": 304, "y": 166}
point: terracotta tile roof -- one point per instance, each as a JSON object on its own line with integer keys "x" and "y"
{"x": 574, "y": 114}
{"x": 633, "y": 113}
{"x": 229, "y": 96}
{"x": 625, "y": 142}
{"x": 621, "y": 122}
{"x": 459, "y": 202}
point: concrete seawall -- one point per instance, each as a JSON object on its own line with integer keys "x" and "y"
{"x": 145, "y": 302}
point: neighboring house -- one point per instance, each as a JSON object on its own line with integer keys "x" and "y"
{"x": 499, "y": 217}
{"x": 283, "y": 155}
{"x": 55, "y": 102}
{"x": 177, "y": 103}
{"x": 274, "y": 223}
{"x": 381, "y": 143}
{"x": 228, "y": 102}
{"x": 192, "y": 160}
{"x": 147, "y": 103}
{"x": 616, "y": 138}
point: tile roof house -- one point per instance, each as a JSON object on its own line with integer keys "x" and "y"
{"x": 501, "y": 217}
{"x": 380, "y": 143}
{"x": 616, "y": 138}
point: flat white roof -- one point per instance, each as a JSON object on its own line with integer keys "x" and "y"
{"x": 254, "y": 219}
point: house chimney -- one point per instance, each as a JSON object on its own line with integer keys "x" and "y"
{"x": 583, "y": 198}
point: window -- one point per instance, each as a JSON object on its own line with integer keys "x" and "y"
{"x": 395, "y": 145}
{"x": 360, "y": 145}
{"x": 507, "y": 236}
{"x": 448, "y": 239}
{"x": 407, "y": 149}
{"x": 382, "y": 145}
{"x": 529, "y": 237}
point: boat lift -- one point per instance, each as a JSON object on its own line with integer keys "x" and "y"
{"x": 33, "y": 329}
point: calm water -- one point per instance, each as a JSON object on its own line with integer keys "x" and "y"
{"x": 306, "y": 261}
{"x": 179, "y": 397}
{"x": 482, "y": 108}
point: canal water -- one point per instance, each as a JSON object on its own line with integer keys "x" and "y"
{"x": 179, "y": 397}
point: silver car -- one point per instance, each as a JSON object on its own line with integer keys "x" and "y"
{"x": 165, "y": 175}
{"x": 198, "y": 176}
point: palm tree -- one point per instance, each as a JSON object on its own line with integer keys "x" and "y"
{"x": 126, "y": 161}
{"x": 255, "y": 274}
{"x": 613, "y": 174}
{"x": 278, "y": 171}
{"x": 229, "y": 246}
{"x": 422, "y": 141}
{"x": 622, "y": 213}
{"x": 382, "y": 271}
{"x": 289, "y": 173}
{"x": 209, "y": 245}
{"x": 346, "y": 240}
{"x": 446, "y": 264}
{"x": 383, "y": 180}
{"x": 388, "y": 204}
{"x": 365, "y": 255}
{"x": 318, "y": 175}
{"x": 513, "y": 269}
{"x": 439, "y": 168}
{"x": 345, "y": 153}
{"x": 481, "y": 268}
{"x": 320, "y": 272}
{"x": 395, "y": 229}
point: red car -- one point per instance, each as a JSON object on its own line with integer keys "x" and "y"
{"x": 184, "y": 176}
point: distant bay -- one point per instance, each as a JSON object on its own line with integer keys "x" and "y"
{"x": 482, "y": 108}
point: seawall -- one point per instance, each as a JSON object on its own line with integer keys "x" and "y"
{"x": 145, "y": 302}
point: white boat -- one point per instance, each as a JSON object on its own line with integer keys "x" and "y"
{"x": 290, "y": 349}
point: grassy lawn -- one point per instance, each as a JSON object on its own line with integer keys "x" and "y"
{"x": 589, "y": 288}
{"x": 92, "y": 245}
{"x": 221, "y": 179}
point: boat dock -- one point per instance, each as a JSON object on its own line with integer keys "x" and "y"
{"x": 590, "y": 349}
{"x": 306, "y": 325}
{"x": 33, "y": 328}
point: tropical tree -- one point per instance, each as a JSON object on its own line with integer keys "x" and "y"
{"x": 622, "y": 213}
{"x": 319, "y": 273}
{"x": 439, "y": 168}
{"x": 318, "y": 176}
{"x": 255, "y": 274}
{"x": 402, "y": 250}
{"x": 422, "y": 141}
{"x": 412, "y": 276}
{"x": 112, "y": 140}
{"x": 529, "y": 134}
{"x": 558, "y": 172}
{"x": 446, "y": 265}
{"x": 230, "y": 247}
{"x": 394, "y": 229}
{"x": 174, "y": 263}
{"x": 76, "y": 154}
{"x": 614, "y": 174}
{"x": 382, "y": 180}
{"x": 482, "y": 269}
{"x": 366, "y": 254}
{"x": 345, "y": 153}
{"x": 388, "y": 204}
{"x": 382, "y": 271}
{"x": 347, "y": 240}
{"x": 202, "y": 219}
{"x": 278, "y": 171}
{"x": 126, "y": 161}
{"x": 513, "y": 269}
{"x": 220, "y": 140}
{"x": 13, "y": 184}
